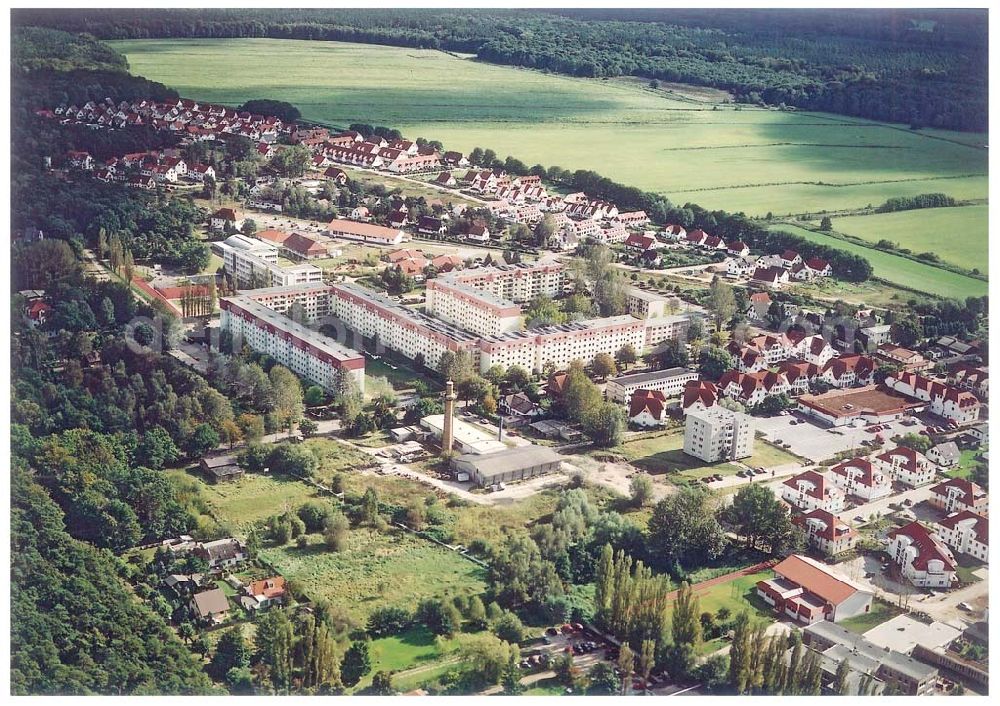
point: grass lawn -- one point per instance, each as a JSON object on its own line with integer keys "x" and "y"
{"x": 376, "y": 570}
{"x": 958, "y": 235}
{"x": 900, "y": 270}
{"x": 870, "y": 293}
{"x": 410, "y": 187}
{"x": 737, "y": 595}
{"x": 966, "y": 462}
{"x": 416, "y": 648}
{"x": 881, "y": 612}
{"x": 335, "y": 457}
{"x": 546, "y": 687}
{"x": 664, "y": 453}
{"x": 401, "y": 376}
{"x": 965, "y": 568}
{"x": 738, "y": 158}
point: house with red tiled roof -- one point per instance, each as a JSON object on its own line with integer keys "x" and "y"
{"x": 751, "y": 389}
{"x": 758, "y": 307}
{"x": 906, "y": 466}
{"x": 301, "y": 247}
{"x": 413, "y": 267}
{"x": 478, "y": 232}
{"x": 696, "y": 237}
{"x": 556, "y": 384}
{"x": 848, "y": 371}
{"x": 790, "y": 259}
{"x": 637, "y": 242}
{"x": 812, "y": 349}
{"x": 968, "y": 377}
{"x": 737, "y": 248}
{"x": 674, "y": 233}
{"x": 827, "y": 532}
{"x": 455, "y": 159}
{"x": 226, "y": 218}
{"x": 774, "y": 277}
{"x": 808, "y": 591}
{"x": 337, "y": 175}
{"x": 699, "y": 395}
{"x": 859, "y": 478}
{"x": 647, "y": 408}
{"x": 265, "y": 593}
{"x": 446, "y": 179}
{"x": 903, "y": 358}
{"x": 810, "y": 490}
{"x": 957, "y": 494}
{"x": 272, "y": 236}
{"x": 799, "y": 373}
{"x": 403, "y": 254}
{"x": 923, "y": 559}
{"x": 38, "y": 311}
{"x": 819, "y": 267}
{"x": 959, "y": 406}
{"x": 967, "y": 533}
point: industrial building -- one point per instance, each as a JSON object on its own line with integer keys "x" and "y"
{"x": 513, "y": 464}
{"x": 718, "y": 434}
{"x": 466, "y": 439}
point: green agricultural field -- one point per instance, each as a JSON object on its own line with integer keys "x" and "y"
{"x": 716, "y": 155}
{"x": 958, "y": 235}
{"x": 376, "y": 570}
{"x": 900, "y": 270}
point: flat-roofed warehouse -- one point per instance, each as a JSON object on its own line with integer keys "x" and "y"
{"x": 517, "y": 463}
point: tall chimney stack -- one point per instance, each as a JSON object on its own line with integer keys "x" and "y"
{"x": 448, "y": 433}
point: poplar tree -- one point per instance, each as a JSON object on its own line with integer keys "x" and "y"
{"x": 739, "y": 653}
{"x": 275, "y": 641}
{"x": 840, "y": 685}
{"x": 626, "y": 663}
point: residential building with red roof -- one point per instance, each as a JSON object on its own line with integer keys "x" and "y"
{"x": 267, "y": 592}
{"x": 969, "y": 377}
{"x": 819, "y": 267}
{"x": 751, "y": 389}
{"x": 404, "y": 254}
{"x": 923, "y": 559}
{"x": 810, "y": 491}
{"x": 699, "y": 395}
{"x": 674, "y": 233}
{"x": 737, "y": 248}
{"x": 647, "y": 408}
{"x": 907, "y": 360}
{"x": 365, "y": 232}
{"x": 906, "y": 466}
{"x": 337, "y": 175}
{"x": 774, "y": 277}
{"x": 967, "y": 533}
{"x": 301, "y": 247}
{"x": 859, "y": 478}
{"x": 956, "y": 494}
{"x": 959, "y": 406}
{"x": 276, "y": 237}
{"x": 849, "y": 371}
{"x": 790, "y": 259}
{"x": 808, "y": 591}
{"x": 827, "y": 532}
{"x": 638, "y": 242}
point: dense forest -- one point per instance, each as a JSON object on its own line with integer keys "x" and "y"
{"x": 923, "y": 68}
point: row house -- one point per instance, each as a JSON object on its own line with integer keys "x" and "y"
{"x": 592, "y": 210}
{"x": 860, "y": 478}
{"x": 633, "y": 219}
{"x": 957, "y": 494}
{"x": 810, "y": 491}
{"x": 923, "y": 559}
{"x": 906, "y": 466}
{"x": 971, "y": 378}
{"x": 959, "y": 406}
{"x": 967, "y": 533}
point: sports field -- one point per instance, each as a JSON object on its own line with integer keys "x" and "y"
{"x": 900, "y": 270}
{"x": 958, "y": 235}
{"x": 716, "y": 155}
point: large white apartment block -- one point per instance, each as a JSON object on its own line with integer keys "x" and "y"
{"x": 474, "y": 310}
{"x": 519, "y": 283}
{"x": 253, "y": 263}
{"x": 670, "y": 382}
{"x": 966, "y": 533}
{"x": 303, "y": 351}
{"x": 406, "y": 331}
{"x": 718, "y": 434}
{"x": 561, "y": 344}
{"x": 313, "y": 298}
{"x": 666, "y": 328}
{"x": 960, "y": 406}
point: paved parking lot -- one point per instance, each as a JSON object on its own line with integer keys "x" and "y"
{"x": 813, "y": 441}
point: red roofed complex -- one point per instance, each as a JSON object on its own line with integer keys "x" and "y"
{"x": 960, "y": 406}
{"x": 267, "y": 592}
{"x": 699, "y": 395}
{"x": 859, "y": 478}
{"x": 922, "y": 558}
{"x": 810, "y": 491}
{"x": 301, "y": 247}
{"x": 807, "y": 591}
{"x": 647, "y": 408}
{"x": 958, "y": 494}
{"x": 907, "y": 466}
{"x": 967, "y": 533}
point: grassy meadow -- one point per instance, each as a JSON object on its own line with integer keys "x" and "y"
{"x": 716, "y": 155}
{"x": 900, "y": 270}
{"x": 958, "y": 235}
{"x": 664, "y": 453}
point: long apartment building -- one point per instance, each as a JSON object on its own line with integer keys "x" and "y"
{"x": 303, "y": 351}
{"x": 519, "y": 283}
{"x": 472, "y": 309}
{"x": 253, "y": 263}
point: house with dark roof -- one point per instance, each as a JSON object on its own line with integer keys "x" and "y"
{"x": 446, "y": 179}
{"x": 737, "y": 248}
{"x": 826, "y": 532}
{"x": 226, "y": 218}
{"x": 429, "y": 225}
{"x": 337, "y": 175}
{"x": 807, "y": 591}
{"x": 957, "y": 494}
{"x": 519, "y": 405}
{"x": 221, "y": 469}
{"x": 647, "y": 408}
{"x": 774, "y": 277}
{"x": 210, "y": 606}
{"x": 810, "y": 490}
{"x": 966, "y": 533}
{"x": 222, "y": 553}
{"x": 922, "y": 558}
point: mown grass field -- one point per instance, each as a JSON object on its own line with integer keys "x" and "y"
{"x": 665, "y": 453}
{"x": 900, "y": 270}
{"x": 958, "y": 235}
{"x": 715, "y": 155}
{"x": 881, "y": 612}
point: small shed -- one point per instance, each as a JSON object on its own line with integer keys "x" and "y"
{"x": 221, "y": 469}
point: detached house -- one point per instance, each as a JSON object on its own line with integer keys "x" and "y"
{"x": 699, "y": 395}
{"x": 922, "y": 558}
{"x": 773, "y": 277}
{"x": 431, "y": 226}
{"x": 210, "y": 606}
{"x": 226, "y": 219}
{"x": 906, "y": 466}
{"x": 222, "y": 553}
{"x": 826, "y": 532}
{"x": 737, "y": 248}
{"x": 265, "y": 593}
{"x": 647, "y": 408}
{"x": 958, "y": 494}
{"x": 810, "y": 491}
{"x": 446, "y": 179}
{"x": 859, "y": 478}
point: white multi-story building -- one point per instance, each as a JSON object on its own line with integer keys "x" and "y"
{"x": 960, "y": 406}
{"x": 253, "y": 264}
{"x": 670, "y": 382}
{"x": 907, "y": 466}
{"x": 858, "y": 477}
{"x": 810, "y": 491}
{"x": 922, "y": 557}
{"x": 666, "y": 328}
{"x": 472, "y": 309}
{"x": 718, "y": 434}
{"x": 967, "y": 533}
{"x": 519, "y": 283}
{"x": 303, "y": 351}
